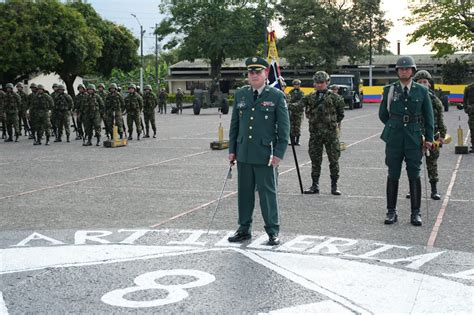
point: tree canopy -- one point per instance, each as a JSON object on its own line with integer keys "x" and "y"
{"x": 213, "y": 30}
{"x": 447, "y": 26}
{"x": 320, "y": 32}
{"x": 69, "y": 39}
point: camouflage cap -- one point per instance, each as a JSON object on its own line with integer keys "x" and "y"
{"x": 296, "y": 82}
{"x": 422, "y": 74}
{"x": 19, "y": 84}
{"x": 9, "y": 86}
{"x": 256, "y": 63}
{"x": 61, "y": 87}
{"x": 112, "y": 86}
{"x": 91, "y": 87}
{"x": 132, "y": 86}
{"x": 33, "y": 86}
{"x": 321, "y": 76}
{"x": 147, "y": 87}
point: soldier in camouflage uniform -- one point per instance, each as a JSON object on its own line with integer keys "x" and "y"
{"x": 424, "y": 78}
{"x": 79, "y": 102}
{"x": 179, "y": 100}
{"x": 42, "y": 104}
{"x": 134, "y": 107}
{"x": 2, "y": 114}
{"x": 149, "y": 104}
{"x": 23, "y": 108}
{"x": 102, "y": 93}
{"x": 63, "y": 105}
{"x": 11, "y": 104}
{"x": 325, "y": 112}
{"x": 30, "y": 100}
{"x": 469, "y": 109}
{"x": 162, "y": 101}
{"x": 53, "y": 111}
{"x": 90, "y": 111}
{"x": 296, "y": 111}
{"x": 114, "y": 104}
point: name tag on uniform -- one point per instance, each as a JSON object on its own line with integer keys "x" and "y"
{"x": 268, "y": 104}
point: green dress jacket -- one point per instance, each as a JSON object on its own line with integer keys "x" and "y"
{"x": 257, "y": 126}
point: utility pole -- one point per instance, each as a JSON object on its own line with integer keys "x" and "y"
{"x": 370, "y": 53}
{"x": 156, "y": 59}
{"x": 141, "y": 52}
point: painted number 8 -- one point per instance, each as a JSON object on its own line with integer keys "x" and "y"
{"x": 147, "y": 281}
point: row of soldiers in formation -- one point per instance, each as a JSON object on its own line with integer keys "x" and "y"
{"x": 40, "y": 112}
{"x": 324, "y": 109}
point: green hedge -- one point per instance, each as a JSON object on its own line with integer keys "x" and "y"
{"x": 190, "y": 98}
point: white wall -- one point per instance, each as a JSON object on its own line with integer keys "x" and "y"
{"x": 47, "y": 81}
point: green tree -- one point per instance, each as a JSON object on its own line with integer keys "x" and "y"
{"x": 447, "y": 25}
{"x": 456, "y": 72}
{"x": 320, "y": 32}
{"x": 213, "y": 30}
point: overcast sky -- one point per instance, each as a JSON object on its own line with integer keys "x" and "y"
{"x": 119, "y": 11}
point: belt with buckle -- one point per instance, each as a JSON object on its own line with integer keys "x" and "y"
{"x": 407, "y": 118}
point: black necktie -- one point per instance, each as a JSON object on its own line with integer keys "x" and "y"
{"x": 405, "y": 92}
{"x": 255, "y": 95}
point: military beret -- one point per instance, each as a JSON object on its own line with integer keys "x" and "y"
{"x": 256, "y": 63}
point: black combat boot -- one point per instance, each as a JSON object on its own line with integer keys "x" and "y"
{"x": 154, "y": 133}
{"x": 334, "y": 190}
{"x": 58, "y": 138}
{"x": 434, "y": 192}
{"x": 138, "y": 136}
{"x": 121, "y": 135}
{"x": 392, "y": 193}
{"x": 130, "y": 136}
{"x": 314, "y": 189}
{"x": 98, "y": 141}
{"x": 16, "y": 138}
{"x": 9, "y": 139}
{"x": 47, "y": 140}
{"x": 297, "y": 141}
{"x": 147, "y": 134}
{"x": 67, "y": 138}
{"x": 415, "y": 200}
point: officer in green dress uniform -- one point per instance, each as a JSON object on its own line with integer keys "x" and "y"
{"x": 258, "y": 138}
{"x": 405, "y": 106}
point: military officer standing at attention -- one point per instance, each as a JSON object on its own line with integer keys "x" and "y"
{"x": 258, "y": 138}
{"x": 469, "y": 109}
{"x": 11, "y": 105}
{"x": 23, "y": 108}
{"x": 404, "y": 110}
{"x": 325, "y": 111}
{"x": 134, "y": 107}
{"x": 296, "y": 112}
{"x": 149, "y": 104}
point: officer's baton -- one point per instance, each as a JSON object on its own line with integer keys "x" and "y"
{"x": 297, "y": 166}
{"x": 425, "y": 170}
{"x": 228, "y": 175}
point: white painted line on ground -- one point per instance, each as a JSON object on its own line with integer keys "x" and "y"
{"x": 442, "y": 210}
{"x": 100, "y": 176}
{"x": 3, "y": 306}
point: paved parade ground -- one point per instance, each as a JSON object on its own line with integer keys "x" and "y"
{"x": 124, "y": 230}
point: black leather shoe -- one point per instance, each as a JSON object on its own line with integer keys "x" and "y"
{"x": 415, "y": 219}
{"x": 273, "y": 240}
{"x": 239, "y": 236}
{"x": 434, "y": 192}
{"x": 314, "y": 189}
{"x": 408, "y": 196}
{"x": 391, "y": 217}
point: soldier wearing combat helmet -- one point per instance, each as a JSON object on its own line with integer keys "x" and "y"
{"x": 134, "y": 107}
{"x": 468, "y": 103}
{"x": 114, "y": 105}
{"x": 405, "y": 110}
{"x": 325, "y": 112}
{"x": 296, "y": 111}
{"x": 11, "y": 105}
{"x": 150, "y": 102}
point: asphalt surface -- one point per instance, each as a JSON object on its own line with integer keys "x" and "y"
{"x": 102, "y": 230}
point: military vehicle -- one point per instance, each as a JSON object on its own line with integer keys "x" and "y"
{"x": 349, "y": 89}
{"x": 204, "y": 99}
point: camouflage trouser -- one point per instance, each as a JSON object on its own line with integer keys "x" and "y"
{"x": 42, "y": 123}
{"x": 149, "y": 119}
{"x": 179, "y": 106}
{"x": 79, "y": 123}
{"x": 63, "y": 121}
{"x": 432, "y": 165}
{"x": 471, "y": 127}
{"x": 2, "y": 121}
{"x": 113, "y": 119}
{"x": 92, "y": 122}
{"x": 329, "y": 139}
{"x": 11, "y": 120}
{"x": 23, "y": 119}
{"x": 54, "y": 118}
{"x": 295, "y": 124}
{"x": 162, "y": 106}
{"x": 134, "y": 117}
